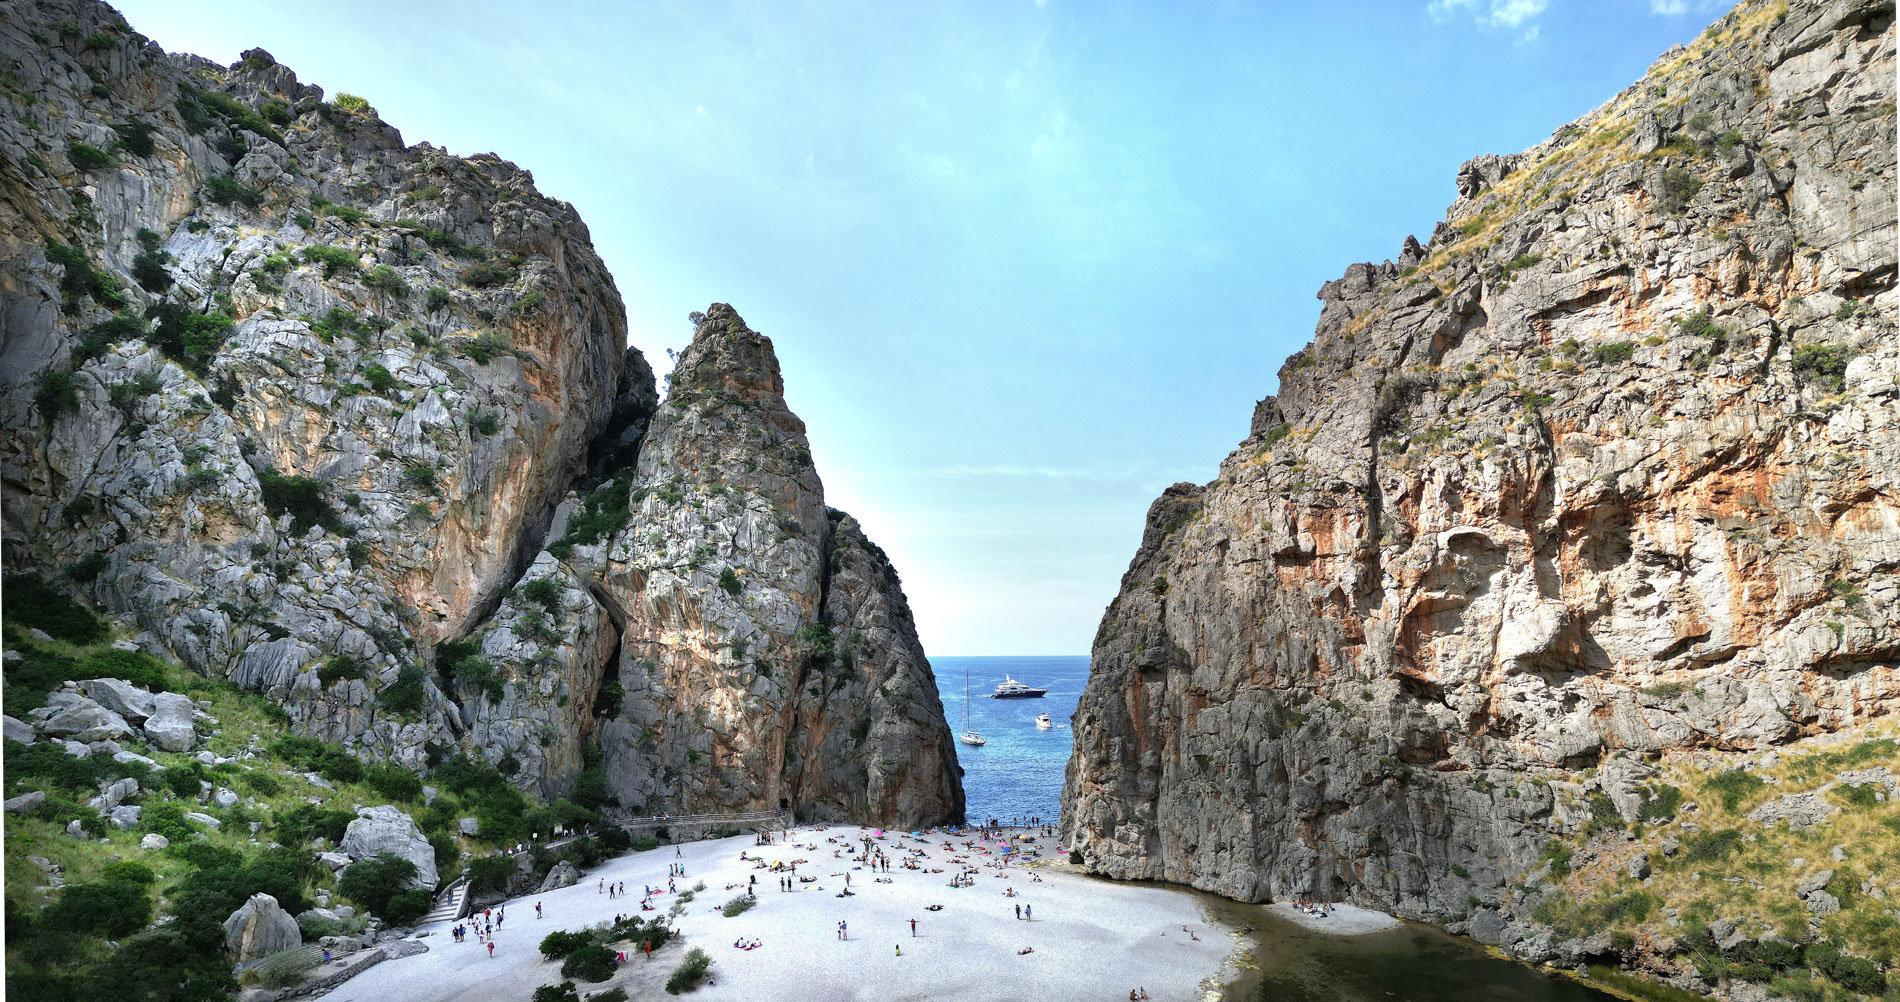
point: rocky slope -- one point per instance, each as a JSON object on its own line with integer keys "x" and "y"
{"x": 1599, "y": 477}
{"x": 282, "y": 390}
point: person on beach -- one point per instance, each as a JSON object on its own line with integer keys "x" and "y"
{"x": 899, "y": 948}
{"x": 491, "y": 949}
{"x": 1029, "y": 913}
{"x": 913, "y": 928}
{"x": 537, "y": 909}
{"x": 600, "y": 886}
{"x": 1019, "y": 913}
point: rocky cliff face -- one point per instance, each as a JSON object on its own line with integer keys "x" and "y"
{"x": 281, "y": 389}
{"x": 1600, "y": 476}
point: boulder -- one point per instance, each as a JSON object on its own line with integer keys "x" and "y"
{"x": 205, "y": 819}
{"x": 322, "y": 916}
{"x": 126, "y": 756}
{"x": 83, "y": 720}
{"x": 259, "y": 928}
{"x": 25, "y": 803}
{"x": 225, "y": 799}
{"x": 385, "y": 829}
{"x": 121, "y": 697}
{"x": 333, "y": 860}
{"x": 115, "y": 793}
{"x": 1639, "y": 865}
{"x": 123, "y": 818}
{"x": 16, "y": 730}
{"x": 563, "y": 875}
{"x": 470, "y": 826}
{"x": 154, "y": 840}
{"x": 169, "y": 726}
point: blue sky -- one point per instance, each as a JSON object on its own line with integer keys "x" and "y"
{"x": 1025, "y": 264}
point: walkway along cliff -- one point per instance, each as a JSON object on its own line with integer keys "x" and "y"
{"x": 1567, "y": 523}
{"x": 354, "y": 423}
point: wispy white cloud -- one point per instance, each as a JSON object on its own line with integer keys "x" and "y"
{"x": 1669, "y": 8}
{"x": 1496, "y": 13}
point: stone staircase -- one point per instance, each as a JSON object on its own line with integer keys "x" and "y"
{"x": 449, "y": 903}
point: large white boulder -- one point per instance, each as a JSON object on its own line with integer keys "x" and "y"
{"x": 81, "y": 719}
{"x": 121, "y": 697}
{"x": 259, "y": 928}
{"x": 154, "y": 840}
{"x": 16, "y": 730}
{"x": 25, "y": 803}
{"x": 169, "y": 726}
{"x": 385, "y": 829}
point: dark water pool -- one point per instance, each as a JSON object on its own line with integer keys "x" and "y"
{"x": 1413, "y": 963}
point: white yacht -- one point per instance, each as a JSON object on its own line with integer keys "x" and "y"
{"x": 1012, "y": 689}
{"x": 1043, "y": 722}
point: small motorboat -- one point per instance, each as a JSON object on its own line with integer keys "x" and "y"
{"x": 1043, "y": 722}
{"x": 1012, "y": 689}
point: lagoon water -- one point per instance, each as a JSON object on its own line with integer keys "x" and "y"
{"x": 1018, "y": 773}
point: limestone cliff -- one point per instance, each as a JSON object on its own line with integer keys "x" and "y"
{"x": 281, "y": 390}
{"x": 1601, "y": 476}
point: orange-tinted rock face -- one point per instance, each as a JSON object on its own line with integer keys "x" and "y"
{"x": 1603, "y": 473}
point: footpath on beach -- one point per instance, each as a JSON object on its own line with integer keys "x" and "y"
{"x": 1012, "y": 929}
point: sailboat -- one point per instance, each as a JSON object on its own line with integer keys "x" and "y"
{"x": 968, "y": 737}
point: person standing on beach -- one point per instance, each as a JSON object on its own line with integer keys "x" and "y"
{"x": 1019, "y": 913}
{"x": 913, "y": 928}
{"x": 1029, "y": 913}
{"x": 491, "y": 949}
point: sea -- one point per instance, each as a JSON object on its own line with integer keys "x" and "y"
{"x": 1018, "y": 772}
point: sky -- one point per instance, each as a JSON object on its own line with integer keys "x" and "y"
{"x": 1025, "y": 264}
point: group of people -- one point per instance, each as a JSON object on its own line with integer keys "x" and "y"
{"x": 1317, "y": 909}
{"x": 484, "y": 926}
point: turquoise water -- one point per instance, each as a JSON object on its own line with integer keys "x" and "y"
{"x": 1018, "y": 773}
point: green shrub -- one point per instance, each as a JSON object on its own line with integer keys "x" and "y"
{"x": 1613, "y": 354}
{"x": 689, "y": 973}
{"x": 89, "y": 158}
{"x": 1735, "y": 787}
{"x": 604, "y": 511}
{"x": 1852, "y": 973}
{"x": 491, "y": 873}
{"x": 406, "y": 694}
{"x": 337, "y": 322}
{"x": 227, "y": 190}
{"x": 373, "y": 883}
{"x": 167, "y": 820}
{"x": 112, "y": 908}
{"x": 387, "y": 281}
{"x": 81, "y": 280}
{"x": 1679, "y": 188}
{"x": 1709, "y": 846}
{"x": 381, "y": 380}
{"x": 283, "y": 968}
{"x": 447, "y": 853}
{"x": 406, "y": 907}
{"x": 563, "y": 992}
{"x": 591, "y": 962}
{"x": 436, "y": 299}
{"x": 730, "y": 582}
{"x": 484, "y": 423}
{"x": 483, "y": 275}
{"x": 299, "y": 497}
{"x": 261, "y": 783}
{"x": 393, "y": 781}
{"x": 645, "y": 843}
{"x": 335, "y": 260}
{"x": 128, "y": 872}
{"x": 1823, "y": 363}
{"x": 419, "y": 476}
{"x": 341, "y": 667}
{"x": 304, "y": 822}
{"x": 559, "y": 944}
{"x": 135, "y": 137}
{"x": 1559, "y": 856}
{"x": 544, "y": 592}
{"x": 30, "y": 604}
{"x": 737, "y": 906}
{"x": 1865, "y": 795}
{"x": 56, "y": 394}
{"x": 1661, "y": 803}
